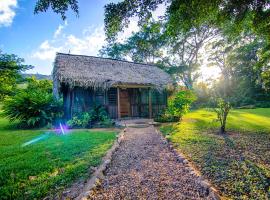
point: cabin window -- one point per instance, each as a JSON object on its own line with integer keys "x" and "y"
{"x": 99, "y": 97}
{"x": 112, "y": 96}
{"x": 78, "y": 100}
{"x": 158, "y": 98}
{"x": 144, "y": 105}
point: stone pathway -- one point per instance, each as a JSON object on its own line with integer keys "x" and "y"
{"x": 143, "y": 167}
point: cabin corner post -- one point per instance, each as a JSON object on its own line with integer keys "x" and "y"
{"x": 118, "y": 103}
{"x": 150, "y": 103}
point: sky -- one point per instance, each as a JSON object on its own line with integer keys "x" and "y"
{"x": 37, "y": 37}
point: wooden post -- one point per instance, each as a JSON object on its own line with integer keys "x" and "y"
{"x": 150, "y": 103}
{"x": 118, "y": 103}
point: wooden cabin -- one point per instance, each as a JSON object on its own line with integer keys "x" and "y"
{"x": 125, "y": 89}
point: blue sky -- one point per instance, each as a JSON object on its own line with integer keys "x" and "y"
{"x": 36, "y": 38}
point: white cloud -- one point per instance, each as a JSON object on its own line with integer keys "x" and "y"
{"x": 133, "y": 25}
{"x": 59, "y": 29}
{"x": 7, "y": 12}
{"x": 89, "y": 43}
{"x": 127, "y": 32}
{"x": 46, "y": 51}
{"x": 159, "y": 12}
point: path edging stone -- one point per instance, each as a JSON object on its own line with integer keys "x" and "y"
{"x": 99, "y": 172}
{"x": 213, "y": 193}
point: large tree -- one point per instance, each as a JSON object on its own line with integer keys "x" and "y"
{"x": 184, "y": 51}
{"x": 178, "y": 55}
{"x": 241, "y": 80}
{"x": 145, "y": 46}
{"x": 10, "y": 67}
{"x": 58, "y": 6}
{"x": 233, "y": 18}
{"x": 236, "y": 14}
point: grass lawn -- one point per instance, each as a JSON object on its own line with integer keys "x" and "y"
{"x": 49, "y": 165}
{"x": 238, "y": 164}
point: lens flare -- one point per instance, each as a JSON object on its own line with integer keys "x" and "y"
{"x": 42, "y": 137}
{"x": 62, "y": 129}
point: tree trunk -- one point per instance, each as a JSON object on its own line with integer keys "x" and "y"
{"x": 222, "y": 129}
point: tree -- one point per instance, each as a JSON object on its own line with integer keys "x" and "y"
{"x": 241, "y": 81}
{"x": 178, "y": 55}
{"x": 179, "y": 103}
{"x": 115, "y": 50}
{"x": 183, "y": 53}
{"x": 58, "y": 6}
{"x": 10, "y": 67}
{"x": 234, "y": 16}
{"x": 219, "y": 55}
{"x": 33, "y": 106}
{"x": 145, "y": 46}
{"x": 222, "y": 111}
{"x": 248, "y": 71}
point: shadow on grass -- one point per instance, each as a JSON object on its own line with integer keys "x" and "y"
{"x": 224, "y": 160}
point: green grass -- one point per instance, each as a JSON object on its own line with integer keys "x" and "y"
{"x": 238, "y": 163}
{"x": 47, "y": 166}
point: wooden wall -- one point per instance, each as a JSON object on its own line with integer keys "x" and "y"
{"x": 78, "y": 100}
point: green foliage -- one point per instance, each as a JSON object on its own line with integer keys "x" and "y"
{"x": 222, "y": 110}
{"x": 117, "y": 15}
{"x": 178, "y": 105}
{"x": 96, "y": 116}
{"x": 33, "y": 106}
{"x": 143, "y": 46}
{"x": 266, "y": 79}
{"x": 241, "y": 80}
{"x": 182, "y": 60}
{"x": 80, "y": 121}
{"x": 58, "y": 6}
{"x": 45, "y": 168}
{"x": 166, "y": 117}
{"x": 233, "y": 17}
{"x": 10, "y": 67}
{"x": 236, "y": 163}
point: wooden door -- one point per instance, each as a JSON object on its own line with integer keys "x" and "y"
{"x": 124, "y": 103}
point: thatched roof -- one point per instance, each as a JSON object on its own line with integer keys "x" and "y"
{"x": 96, "y": 72}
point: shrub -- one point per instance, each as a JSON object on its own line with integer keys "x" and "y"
{"x": 80, "y": 121}
{"x": 96, "y": 116}
{"x": 222, "y": 110}
{"x": 33, "y": 106}
{"x": 166, "y": 118}
{"x": 178, "y": 104}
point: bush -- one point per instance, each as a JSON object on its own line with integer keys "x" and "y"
{"x": 223, "y": 108}
{"x": 178, "y": 105}
{"x": 166, "y": 118}
{"x": 96, "y": 116}
{"x": 80, "y": 121}
{"x": 33, "y": 106}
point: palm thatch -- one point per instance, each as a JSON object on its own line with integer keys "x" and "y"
{"x": 96, "y": 72}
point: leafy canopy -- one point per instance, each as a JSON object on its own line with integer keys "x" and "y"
{"x": 144, "y": 46}
{"x": 33, "y": 106}
{"x": 179, "y": 103}
{"x": 58, "y": 6}
{"x": 11, "y": 67}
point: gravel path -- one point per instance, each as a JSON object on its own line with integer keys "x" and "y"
{"x": 144, "y": 168}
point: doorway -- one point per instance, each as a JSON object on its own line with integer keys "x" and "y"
{"x": 124, "y": 103}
